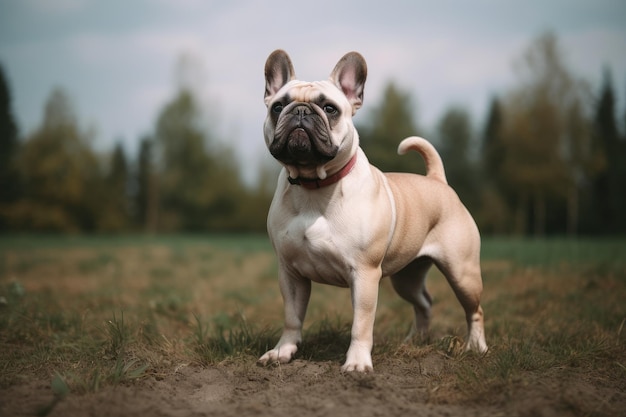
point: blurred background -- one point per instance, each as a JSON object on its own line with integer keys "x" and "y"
{"x": 146, "y": 116}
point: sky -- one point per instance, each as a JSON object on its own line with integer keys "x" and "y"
{"x": 118, "y": 60}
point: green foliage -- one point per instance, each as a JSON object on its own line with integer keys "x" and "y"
{"x": 185, "y": 180}
{"x": 115, "y": 215}
{"x": 608, "y": 201}
{"x": 60, "y": 174}
{"x": 198, "y": 181}
{"x": 187, "y": 174}
{"x": 494, "y": 212}
{"x": 456, "y": 148}
{"x": 549, "y": 161}
{"x": 8, "y": 128}
{"x": 542, "y": 167}
{"x": 146, "y": 197}
{"x": 388, "y": 123}
{"x": 537, "y": 137}
{"x": 9, "y": 147}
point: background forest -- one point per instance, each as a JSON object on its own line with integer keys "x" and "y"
{"x": 547, "y": 159}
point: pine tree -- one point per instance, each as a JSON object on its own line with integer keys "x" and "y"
{"x": 115, "y": 212}
{"x": 388, "y": 123}
{"x": 61, "y": 173}
{"x": 454, "y": 141}
{"x": 198, "y": 183}
{"x": 493, "y": 147}
{"x": 146, "y": 198}
{"x": 9, "y": 179}
{"x": 494, "y": 213}
{"x": 608, "y": 187}
{"x": 538, "y": 159}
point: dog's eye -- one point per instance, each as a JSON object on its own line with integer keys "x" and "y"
{"x": 330, "y": 109}
{"x": 277, "y": 107}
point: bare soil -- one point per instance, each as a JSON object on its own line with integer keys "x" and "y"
{"x": 306, "y": 388}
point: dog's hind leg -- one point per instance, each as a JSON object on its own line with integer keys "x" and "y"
{"x": 466, "y": 281}
{"x": 410, "y": 284}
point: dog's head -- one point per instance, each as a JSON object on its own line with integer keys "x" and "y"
{"x": 309, "y": 125}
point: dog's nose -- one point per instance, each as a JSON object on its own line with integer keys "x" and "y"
{"x": 301, "y": 113}
{"x": 302, "y": 110}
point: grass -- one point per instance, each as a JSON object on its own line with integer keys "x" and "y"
{"x": 88, "y": 312}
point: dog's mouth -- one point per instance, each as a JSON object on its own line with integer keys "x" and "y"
{"x": 300, "y": 147}
{"x": 302, "y": 140}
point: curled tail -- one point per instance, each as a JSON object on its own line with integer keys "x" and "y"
{"x": 434, "y": 164}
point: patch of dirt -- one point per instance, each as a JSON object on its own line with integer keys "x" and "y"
{"x": 303, "y": 388}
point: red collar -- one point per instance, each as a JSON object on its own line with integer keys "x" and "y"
{"x": 313, "y": 184}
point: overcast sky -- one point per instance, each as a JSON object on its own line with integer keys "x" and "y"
{"x": 116, "y": 59}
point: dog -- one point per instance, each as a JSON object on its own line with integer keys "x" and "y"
{"x": 335, "y": 219}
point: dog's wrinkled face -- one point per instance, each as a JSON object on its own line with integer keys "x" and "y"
{"x": 303, "y": 120}
{"x": 309, "y": 124}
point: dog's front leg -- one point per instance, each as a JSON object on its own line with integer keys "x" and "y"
{"x": 364, "y": 291}
{"x": 296, "y": 293}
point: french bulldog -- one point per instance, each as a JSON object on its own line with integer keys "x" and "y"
{"x": 335, "y": 219}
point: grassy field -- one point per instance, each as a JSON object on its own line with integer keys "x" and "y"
{"x": 86, "y": 313}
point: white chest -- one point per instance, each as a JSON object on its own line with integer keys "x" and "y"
{"x": 314, "y": 248}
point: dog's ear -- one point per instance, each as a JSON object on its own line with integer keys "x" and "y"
{"x": 349, "y": 75}
{"x": 278, "y": 72}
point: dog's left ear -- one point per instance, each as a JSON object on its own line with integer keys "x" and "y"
{"x": 278, "y": 72}
{"x": 349, "y": 76}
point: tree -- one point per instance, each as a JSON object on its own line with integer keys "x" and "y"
{"x": 60, "y": 173}
{"x": 188, "y": 179}
{"x": 493, "y": 146}
{"x": 582, "y": 166}
{"x": 608, "y": 202}
{"x": 494, "y": 215}
{"x": 183, "y": 164}
{"x": 390, "y": 122}
{"x": 539, "y": 115}
{"x": 115, "y": 204}
{"x": 454, "y": 140}
{"x": 255, "y": 208}
{"x": 9, "y": 179}
{"x": 198, "y": 189}
{"x": 146, "y": 197}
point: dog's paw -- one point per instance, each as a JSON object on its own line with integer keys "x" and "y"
{"x": 280, "y": 354}
{"x": 357, "y": 367}
{"x": 476, "y": 339}
{"x": 358, "y": 360}
{"x": 477, "y": 346}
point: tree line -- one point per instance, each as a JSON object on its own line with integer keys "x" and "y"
{"x": 546, "y": 160}
{"x": 182, "y": 179}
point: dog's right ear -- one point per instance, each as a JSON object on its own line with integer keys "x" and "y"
{"x": 349, "y": 76}
{"x": 278, "y": 72}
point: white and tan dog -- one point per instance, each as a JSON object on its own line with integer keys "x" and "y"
{"x": 335, "y": 219}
